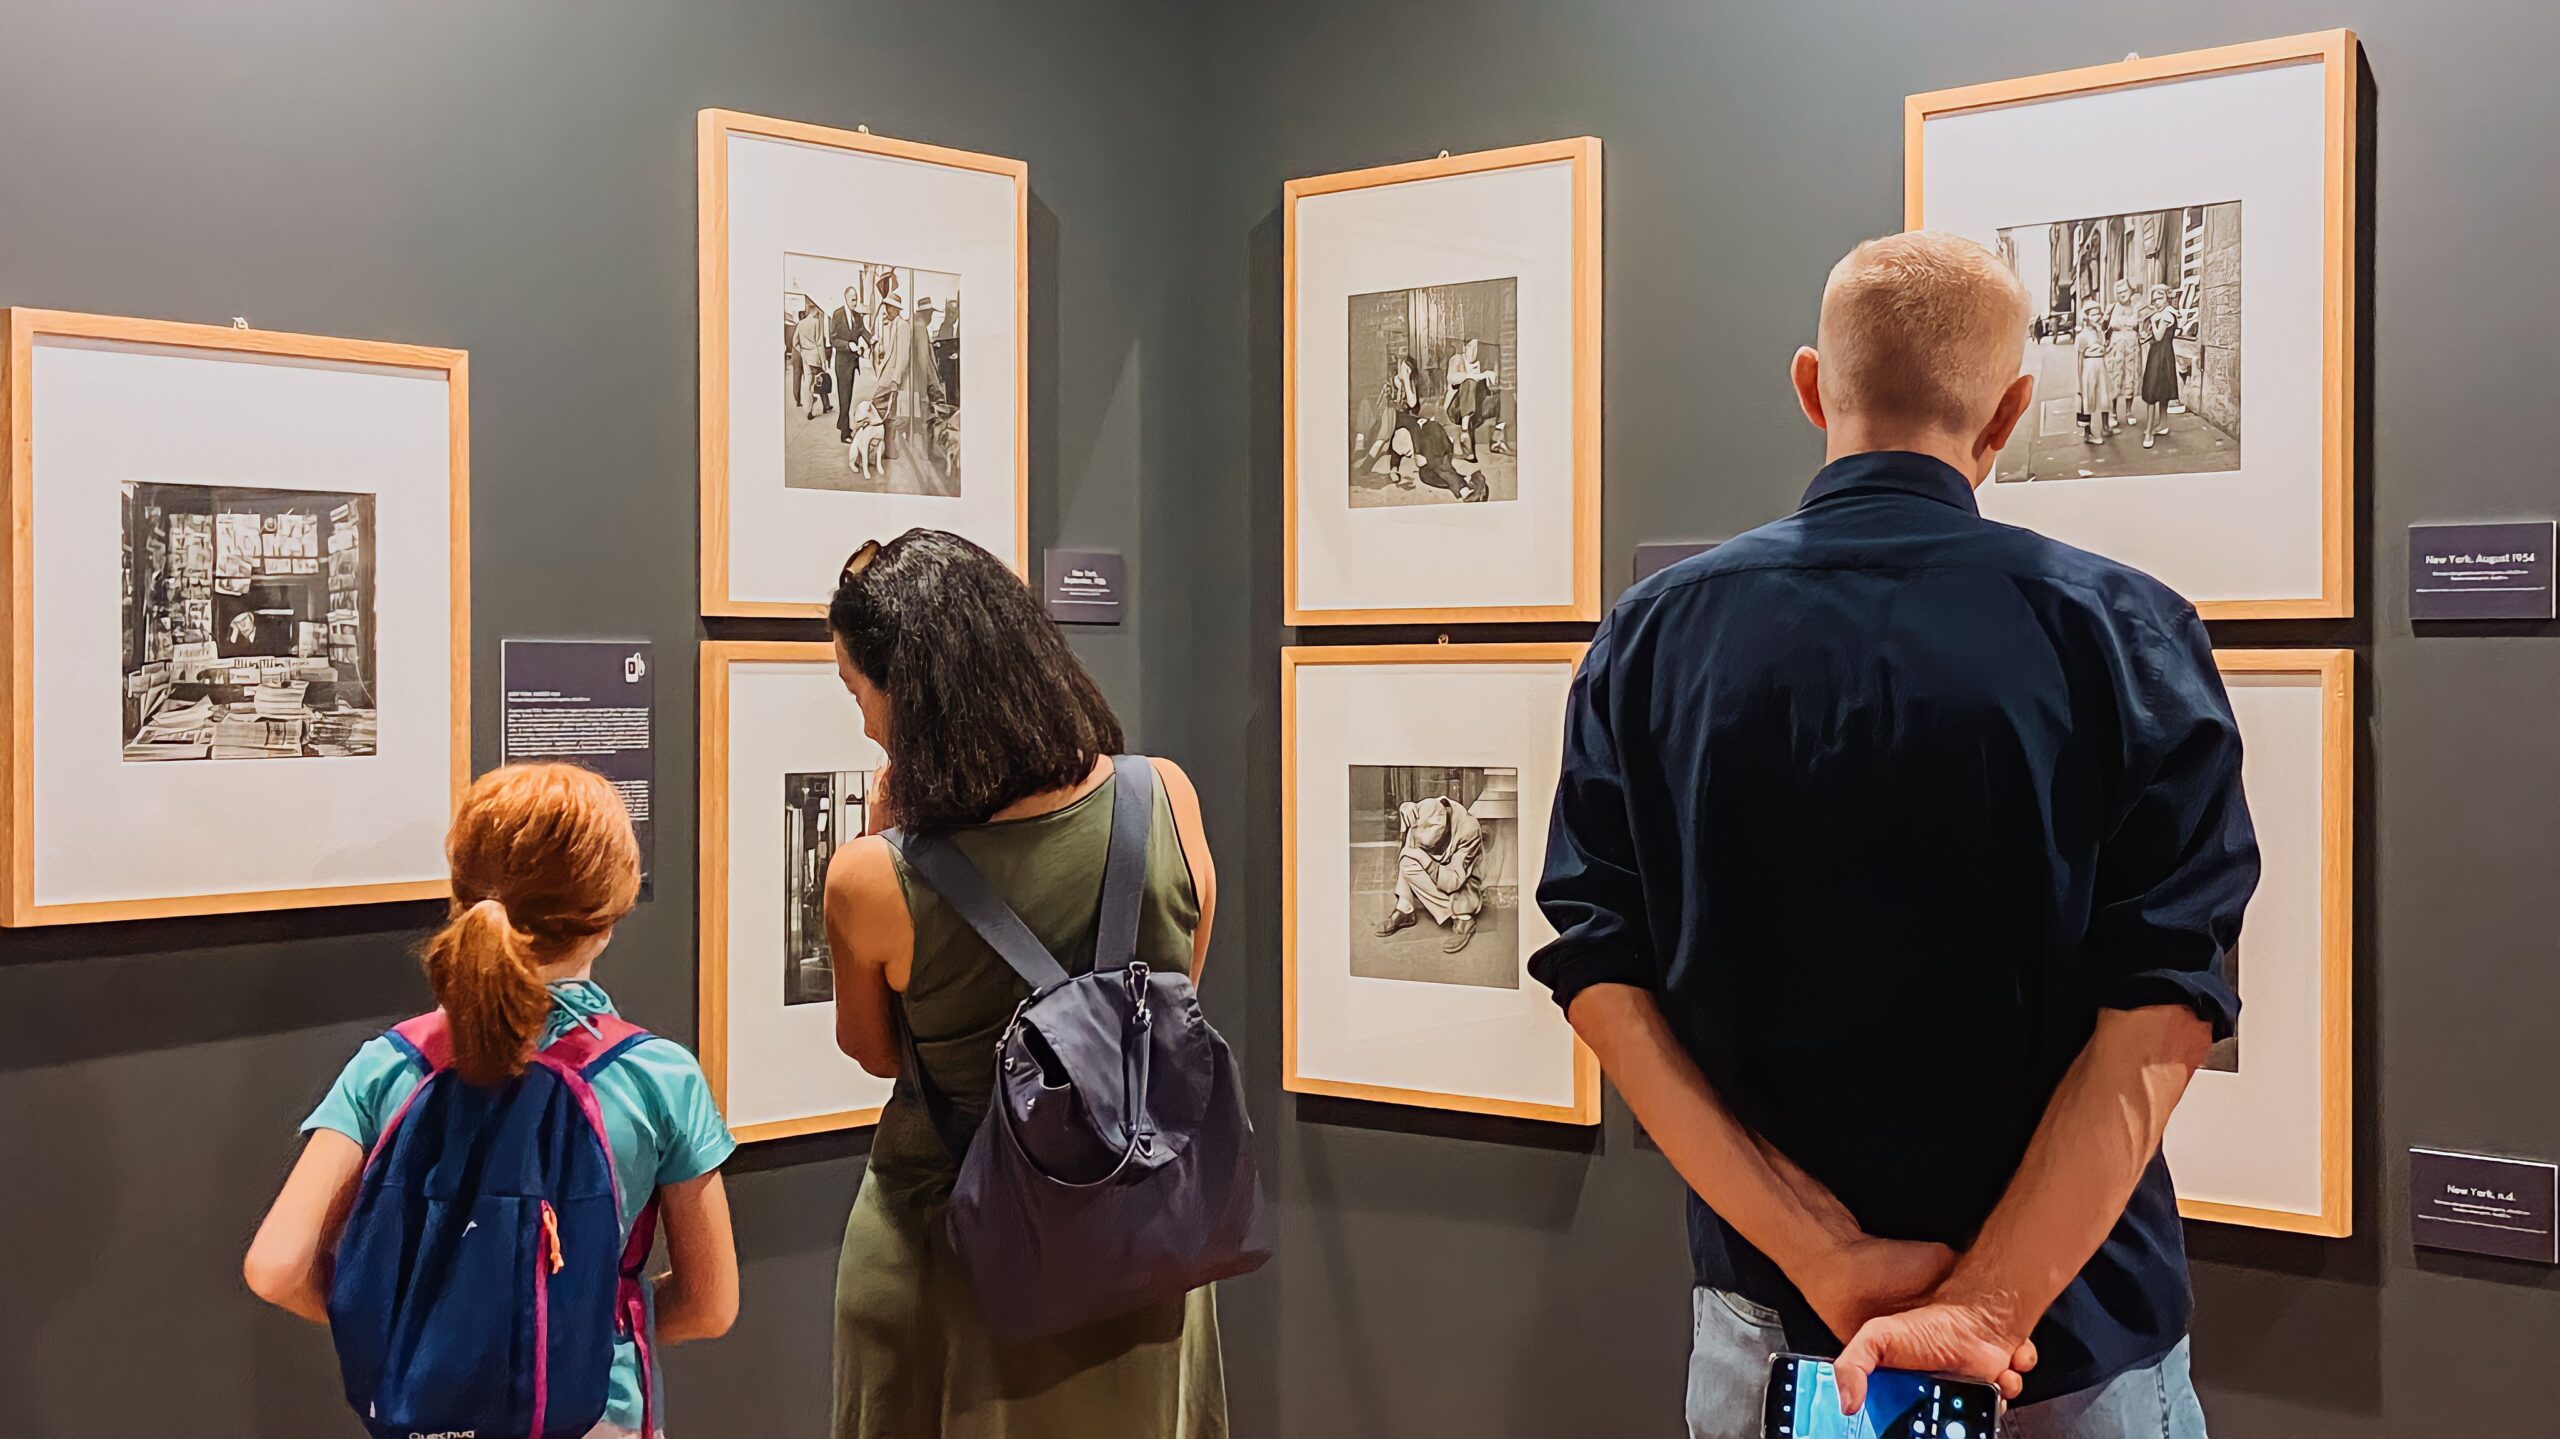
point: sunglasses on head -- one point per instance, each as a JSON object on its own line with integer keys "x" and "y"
{"x": 858, "y": 561}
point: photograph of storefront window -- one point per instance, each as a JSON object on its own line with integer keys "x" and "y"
{"x": 248, "y": 623}
{"x": 819, "y": 812}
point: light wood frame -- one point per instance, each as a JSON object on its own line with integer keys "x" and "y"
{"x": 2336, "y": 671}
{"x": 18, "y": 906}
{"x": 1585, "y": 1109}
{"x": 714, "y": 127}
{"x": 711, "y": 1040}
{"x": 2337, "y": 53}
{"x": 1584, "y": 155}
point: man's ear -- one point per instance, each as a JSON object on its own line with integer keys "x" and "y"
{"x": 2005, "y": 416}
{"x": 1805, "y": 371}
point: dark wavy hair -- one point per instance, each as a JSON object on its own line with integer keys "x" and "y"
{"x": 987, "y": 705}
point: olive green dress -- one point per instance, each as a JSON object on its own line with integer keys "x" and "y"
{"x": 912, "y": 1359}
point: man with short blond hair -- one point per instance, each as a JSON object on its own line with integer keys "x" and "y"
{"x": 1895, "y": 863}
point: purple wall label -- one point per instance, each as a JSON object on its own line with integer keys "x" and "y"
{"x": 591, "y": 703}
{"x": 2477, "y": 1204}
{"x": 2481, "y": 572}
{"x": 1085, "y": 587}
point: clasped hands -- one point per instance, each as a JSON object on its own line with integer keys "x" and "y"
{"x": 1900, "y": 1304}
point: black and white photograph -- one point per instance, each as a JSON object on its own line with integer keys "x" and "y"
{"x": 819, "y": 812}
{"x": 248, "y": 623}
{"x": 1435, "y": 874}
{"x": 1433, "y": 396}
{"x": 2134, "y": 343}
{"x": 871, "y": 377}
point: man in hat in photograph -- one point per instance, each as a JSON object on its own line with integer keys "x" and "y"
{"x": 907, "y": 383}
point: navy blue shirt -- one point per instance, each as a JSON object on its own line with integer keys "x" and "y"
{"x": 1884, "y": 802}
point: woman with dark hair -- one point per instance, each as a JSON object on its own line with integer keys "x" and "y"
{"x": 999, "y": 742}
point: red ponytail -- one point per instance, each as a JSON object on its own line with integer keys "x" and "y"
{"x": 543, "y": 860}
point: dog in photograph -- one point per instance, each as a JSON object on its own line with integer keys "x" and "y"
{"x": 866, "y": 453}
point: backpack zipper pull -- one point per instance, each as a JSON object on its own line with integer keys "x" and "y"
{"x": 551, "y": 1234}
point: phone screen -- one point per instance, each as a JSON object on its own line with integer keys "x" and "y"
{"x": 1804, "y": 1403}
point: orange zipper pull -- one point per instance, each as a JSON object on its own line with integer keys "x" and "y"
{"x": 551, "y": 1232}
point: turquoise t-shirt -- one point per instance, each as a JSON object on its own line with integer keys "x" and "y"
{"x": 658, "y": 1114}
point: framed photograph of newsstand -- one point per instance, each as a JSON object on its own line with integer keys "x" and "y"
{"x": 237, "y": 606}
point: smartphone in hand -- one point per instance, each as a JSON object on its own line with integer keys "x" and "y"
{"x": 1804, "y": 1403}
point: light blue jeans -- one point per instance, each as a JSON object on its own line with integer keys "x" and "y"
{"x": 1732, "y": 1339}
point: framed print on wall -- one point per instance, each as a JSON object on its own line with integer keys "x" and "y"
{"x": 786, "y": 777}
{"x": 2193, "y": 324}
{"x": 1416, "y": 782}
{"x": 2264, "y": 1135}
{"x": 853, "y": 288}
{"x": 1442, "y": 425}
{"x": 237, "y": 605}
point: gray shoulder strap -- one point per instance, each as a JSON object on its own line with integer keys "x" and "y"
{"x": 1124, "y": 872}
{"x": 948, "y": 872}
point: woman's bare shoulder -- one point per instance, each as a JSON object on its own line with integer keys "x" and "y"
{"x": 1178, "y": 790}
{"x": 862, "y": 876}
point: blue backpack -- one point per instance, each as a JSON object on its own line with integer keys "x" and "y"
{"x": 482, "y": 1277}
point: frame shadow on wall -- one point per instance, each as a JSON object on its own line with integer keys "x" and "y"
{"x": 2251, "y": 1308}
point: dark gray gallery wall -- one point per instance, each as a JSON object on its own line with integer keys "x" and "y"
{"x": 1459, "y": 1278}
{"x": 516, "y": 179}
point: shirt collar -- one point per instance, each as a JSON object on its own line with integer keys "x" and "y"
{"x": 1901, "y": 471}
{"x": 574, "y": 1002}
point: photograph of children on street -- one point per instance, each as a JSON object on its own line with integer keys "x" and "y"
{"x": 819, "y": 812}
{"x": 2135, "y": 345}
{"x": 871, "y": 377}
{"x": 1432, "y": 398}
{"x": 248, "y": 623}
{"x": 1435, "y": 874}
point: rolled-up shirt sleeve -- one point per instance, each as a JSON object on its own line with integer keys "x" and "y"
{"x": 2177, "y": 870}
{"x": 1590, "y": 892}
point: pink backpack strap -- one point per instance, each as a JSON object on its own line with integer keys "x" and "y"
{"x": 577, "y": 1055}
{"x": 597, "y": 1041}
{"x": 594, "y": 1042}
{"x": 631, "y": 1304}
{"x": 428, "y": 1038}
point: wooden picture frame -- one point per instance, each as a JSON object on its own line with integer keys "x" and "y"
{"x": 2337, "y": 53}
{"x": 24, "y": 327}
{"x": 2333, "y": 670}
{"x": 715, "y": 129}
{"x": 1583, "y": 1108}
{"x": 718, "y": 662}
{"x": 1583, "y": 154}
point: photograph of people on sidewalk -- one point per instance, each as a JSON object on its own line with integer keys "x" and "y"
{"x": 2135, "y": 345}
